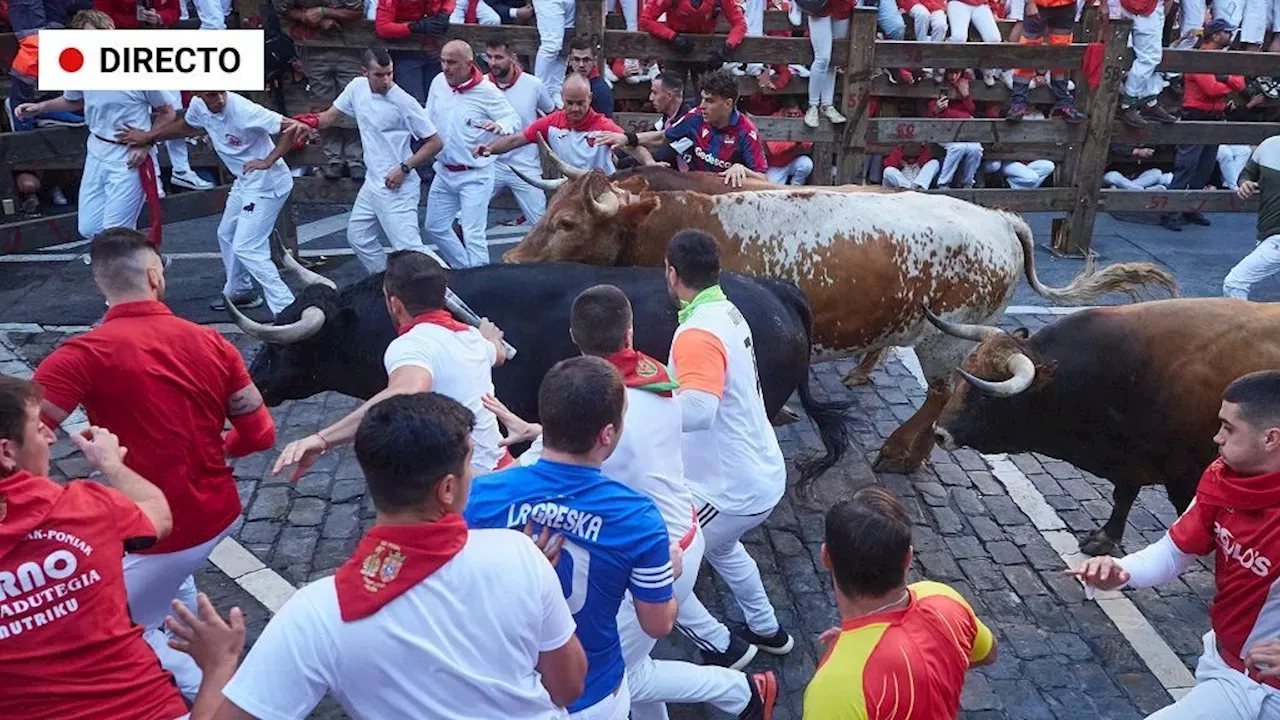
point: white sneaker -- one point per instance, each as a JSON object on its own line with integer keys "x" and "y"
{"x": 989, "y": 78}
{"x": 799, "y": 70}
{"x": 609, "y": 75}
{"x": 633, "y": 70}
{"x": 811, "y": 116}
{"x": 754, "y": 69}
{"x": 189, "y": 179}
{"x": 58, "y": 197}
{"x": 735, "y": 69}
{"x": 832, "y": 114}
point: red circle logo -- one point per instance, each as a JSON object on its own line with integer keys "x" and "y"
{"x": 71, "y": 60}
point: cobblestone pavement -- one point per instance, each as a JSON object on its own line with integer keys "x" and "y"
{"x": 1060, "y": 656}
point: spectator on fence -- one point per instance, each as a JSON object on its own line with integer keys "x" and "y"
{"x": 962, "y": 159}
{"x": 1133, "y": 171}
{"x": 963, "y": 13}
{"x": 554, "y": 18}
{"x": 1256, "y": 18}
{"x": 329, "y": 70}
{"x": 1019, "y": 175}
{"x": 685, "y": 18}
{"x": 1204, "y": 97}
{"x": 929, "y": 18}
{"x": 1231, "y": 162}
{"x": 790, "y": 161}
{"x": 129, "y": 14}
{"x": 896, "y": 643}
{"x": 426, "y": 20}
{"x": 825, "y": 27}
{"x": 909, "y": 166}
{"x": 582, "y": 61}
{"x": 28, "y": 17}
{"x": 1139, "y": 99}
{"x": 666, "y": 94}
{"x": 1056, "y": 18}
{"x": 1261, "y": 177}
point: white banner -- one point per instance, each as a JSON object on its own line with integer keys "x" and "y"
{"x": 191, "y": 60}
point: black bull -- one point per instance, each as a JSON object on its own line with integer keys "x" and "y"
{"x": 531, "y": 304}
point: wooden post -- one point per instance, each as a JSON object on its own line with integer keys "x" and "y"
{"x": 588, "y": 22}
{"x": 1095, "y": 149}
{"x": 857, "y": 97}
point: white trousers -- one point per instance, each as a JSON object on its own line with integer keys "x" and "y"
{"x": 1023, "y": 176}
{"x": 795, "y": 172}
{"x": 735, "y": 565}
{"x": 754, "y": 10}
{"x": 612, "y": 707}
{"x": 153, "y": 582}
{"x": 822, "y": 77}
{"x": 553, "y": 18}
{"x": 1258, "y": 265}
{"x": 110, "y": 196}
{"x": 485, "y": 15}
{"x": 396, "y": 214}
{"x": 244, "y": 238}
{"x": 1257, "y": 17}
{"x": 1233, "y": 11}
{"x": 963, "y": 158}
{"x": 1231, "y": 160}
{"x": 960, "y": 15}
{"x": 630, "y": 12}
{"x": 1149, "y": 178}
{"x": 653, "y": 683}
{"x": 929, "y": 26}
{"x": 466, "y": 192}
{"x": 1222, "y": 693}
{"x": 179, "y": 156}
{"x": 893, "y": 177}
{"x": 532, "y": 200}
{"x": 213, "y": 14}
{"x": 1141, "y": 82}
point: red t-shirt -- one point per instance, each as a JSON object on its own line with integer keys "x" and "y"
{"x": 161, "y": 384}
{"x": 1234, "y": 518}
{"x": 68, "y": 649}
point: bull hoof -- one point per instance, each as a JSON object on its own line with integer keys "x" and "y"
{"x": 895, "y": 463}
{"x": 785, "y": 416}
{"x": 856, "y": 377}
{"x": 1097, "y": 543}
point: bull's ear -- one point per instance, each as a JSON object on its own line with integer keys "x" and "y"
{"x": 1021, "y": 333}
{"x": 634, "y": 184}
{"x": 635, "y": 213}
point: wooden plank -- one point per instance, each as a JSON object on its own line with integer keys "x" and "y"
{"x": 856, "y": 98}
{"x": 796, "y": 87}
{"x": 1187, "y": 132}
{"x": 1039, "y": 200}
{"x": 771, "y": 128}
{"x": 753, "y": 49}
{"x": 360, "y": 35}
{"x": 1095, "y": 149}
{"x": 774, "y": 20}
{"x": 1175, "y": 201}
{"x": 910, "y": 54}
{"x": 905, "y": 130}
{"x": 1232, "y": 62}
{"x": 37, "y": 145}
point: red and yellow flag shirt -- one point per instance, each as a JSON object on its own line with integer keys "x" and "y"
{"x": 906, "y": 664}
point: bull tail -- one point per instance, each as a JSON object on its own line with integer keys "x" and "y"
{"x": 830, "y": 417}
{"x": 1091, "y": 283}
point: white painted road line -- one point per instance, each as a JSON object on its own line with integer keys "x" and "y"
{"x": 1128, "y": 619}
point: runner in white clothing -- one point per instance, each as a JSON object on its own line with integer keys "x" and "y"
{"x": 388, "y": 118}
{"x": 466, "y": 108}
{"x": 434, "y": 352}
{"x": 731, "y": 454}
{"x": 427, "y": 619}
{"x": 241, "y": 131}
{"x": 529, "y": 98}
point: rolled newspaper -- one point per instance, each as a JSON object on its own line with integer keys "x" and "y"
{"x": 468, "y": 316}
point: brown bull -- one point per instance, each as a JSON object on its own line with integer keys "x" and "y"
{"x": 1130, "y": 393}
{"x": 866, "y": 260}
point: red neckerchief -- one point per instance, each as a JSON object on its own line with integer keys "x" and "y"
{"x": 1223, "y": 487}
{"x": 642, "y": 372}
{"x": 587, "y": 122}
{"x": 470, "y": 82}
{"x": 25, "y": 501}
{"x": 515, "y": 76}
{"x": 443, "y": 318}
{"x": 392, "y": 559}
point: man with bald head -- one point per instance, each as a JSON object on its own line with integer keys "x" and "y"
{"x": 467, "y": 110}
{"x": 568, "y": 132}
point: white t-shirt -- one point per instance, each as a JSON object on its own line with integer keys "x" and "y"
{"x": 576, "y": 143}
{"x": 240, "y": 133}
{"x": 461, "y": 367}
{"x": 527, "y": 95}
{"x": 387, "y": 123}
{"x": 463, "y": 643}
{"x": 458, "y": 114}
{"x": 648, "y": 457}
{"x": 107, "y": 112}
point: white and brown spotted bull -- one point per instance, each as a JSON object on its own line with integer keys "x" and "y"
{"x": 868, "y": 261}
{"x": 1129, "y": 393}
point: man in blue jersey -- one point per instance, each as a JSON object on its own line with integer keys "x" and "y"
{"x": 615, "y": 539}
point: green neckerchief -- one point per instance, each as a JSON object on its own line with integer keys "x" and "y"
{"x": 710, "y": 295}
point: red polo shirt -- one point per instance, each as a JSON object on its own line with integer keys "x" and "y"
{"x": 161, "y": 384}
{"x": 68, "y": 650}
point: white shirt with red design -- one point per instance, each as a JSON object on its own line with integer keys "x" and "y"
{"x": 573, "y": 142}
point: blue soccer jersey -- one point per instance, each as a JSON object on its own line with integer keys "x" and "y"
{"x": 615, "y": 541}
{"x": 716, "y": 150}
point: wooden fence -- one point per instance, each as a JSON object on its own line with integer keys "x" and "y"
{"x": 1081, "y": 150}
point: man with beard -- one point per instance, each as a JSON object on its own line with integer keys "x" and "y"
{"x": 1235, "y": 516}
{"x": 529, "y": 98}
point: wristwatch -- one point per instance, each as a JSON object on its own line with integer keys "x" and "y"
{"x": 405, "y": 169}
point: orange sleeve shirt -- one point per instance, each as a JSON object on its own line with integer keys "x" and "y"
{"x": 700, "y": 361}
{"x": 904, "y": 665}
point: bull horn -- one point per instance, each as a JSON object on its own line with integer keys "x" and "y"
{"x": 1023, "y": 373}
{"x": 608, "y": 206}
{"x": 308, "y": 276}
{"x": 538, "y": 181}
{"x": 309, "y": 324}
{"x": 964, "y": 331}
{"x": 569, "y": 171}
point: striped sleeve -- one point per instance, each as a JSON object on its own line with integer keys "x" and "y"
{"x": 651, "y": 572}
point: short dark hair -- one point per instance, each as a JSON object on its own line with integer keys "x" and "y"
{"x": 16, "y": 395}
{"x": 599, "y": 320}
{"x": 695, "y": 257}
{"x": 581, "y": 42}
{"x": 721, "y": 84}
{"x": 416, "y": 279}
{"x": 671, "y": 81}
{"x": 114, "y": 254}
{"x": 407, "y": 444}
{"x": 496, "y": 43}
{"x": 868, "y": 537}
{"x": 1258, "y": 395}
{"x": 377, "y": 55}
{"x": 578, "y": 397}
